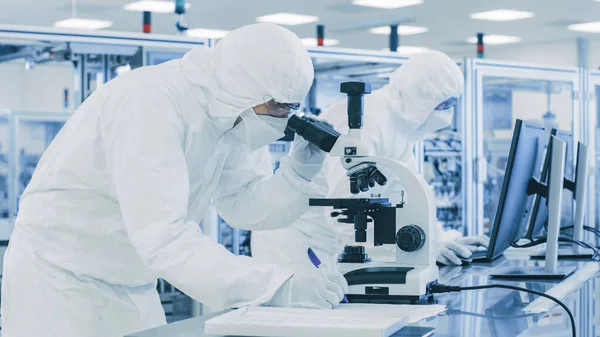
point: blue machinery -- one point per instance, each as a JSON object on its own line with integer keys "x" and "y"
{"x": 464, "y": 166}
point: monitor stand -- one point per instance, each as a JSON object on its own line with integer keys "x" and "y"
{"x": 567, "y": 254}
{"x": 532, "y": 273}
{"x": 579, "y": 187}
{"x": 551, "y": 270}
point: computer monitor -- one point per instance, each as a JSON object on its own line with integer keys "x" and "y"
{"x": 554, "y": 189}
{"x": 539, "y": 213}
{"x": 524, "y": 158}
{"x": 577, "y": 189}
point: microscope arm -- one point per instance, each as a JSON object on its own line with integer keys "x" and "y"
{"x": 420, "y": 201}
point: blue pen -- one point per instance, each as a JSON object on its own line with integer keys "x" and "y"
{"x": 316, "y": 262}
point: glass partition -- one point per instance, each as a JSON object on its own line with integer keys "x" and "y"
{"x": 496, "y": 95}
{"x": 33, "y": 135}
{"x": 4, "y": 136}
{"x": 505, "y": 100}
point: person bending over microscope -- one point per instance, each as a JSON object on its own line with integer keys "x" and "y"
{"x": 116, "y": 199}
{"x": 418, "y": 101}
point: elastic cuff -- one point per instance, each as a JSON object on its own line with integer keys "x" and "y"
{"x": 309, "y": 188}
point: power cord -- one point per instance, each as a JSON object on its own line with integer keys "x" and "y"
{"x": 595, "y": 231}
{"x": 443, "y": 288}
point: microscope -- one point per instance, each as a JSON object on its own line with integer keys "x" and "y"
{"x": 410, "y": 225}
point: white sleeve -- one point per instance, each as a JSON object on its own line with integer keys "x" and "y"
{"x": 142, "y": 140}
{"x": 250, "y": 197}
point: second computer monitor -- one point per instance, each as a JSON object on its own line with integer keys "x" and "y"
{"x": 539, "y": 212}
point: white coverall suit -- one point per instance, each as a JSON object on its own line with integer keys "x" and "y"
{"x": 116, "y": 200}
{"x": 395, "y": 117}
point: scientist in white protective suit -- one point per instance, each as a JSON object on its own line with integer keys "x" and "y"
{"x": 418, "y": 101}
{"x": 116, "y": 199}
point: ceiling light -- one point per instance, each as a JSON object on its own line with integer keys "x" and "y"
{"x": 409, "y": 50}
{"x": 204, "y": 33}
{"x": 288, "y": 19}
{"x": 502, "y": 15}
{"x": 156, "y": 6}
{"x": 78, "y": 23}
{"x": 387, "y": 4}
{"x": 496, "y": 39}
{"x": 587, "y": 27}
{"x": 402, "y": 30}
{"x": 312, "y": 42}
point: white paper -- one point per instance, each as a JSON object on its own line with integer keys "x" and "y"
{"x": 415, "y": 312}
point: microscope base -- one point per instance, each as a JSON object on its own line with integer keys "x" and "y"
{"x": 386, "y": 282}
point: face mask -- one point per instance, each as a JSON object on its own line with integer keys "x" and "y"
{"x": 257, "y": 131}
{"x": 439, "y": 119}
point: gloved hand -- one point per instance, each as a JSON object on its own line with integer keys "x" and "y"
{"x": 315, "y": 289}
{"x": 474, "y": 242}
{"x": 306, "y": 159}
{"x": 449, "y": 253}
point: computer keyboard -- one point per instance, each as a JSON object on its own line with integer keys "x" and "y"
{"x": 280, "y": 322}
{"x": 480, "y": 254}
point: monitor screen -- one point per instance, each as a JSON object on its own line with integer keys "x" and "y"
{"x": 514, "y": 205}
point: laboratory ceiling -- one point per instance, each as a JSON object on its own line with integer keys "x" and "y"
{"x": 448, "y": 21}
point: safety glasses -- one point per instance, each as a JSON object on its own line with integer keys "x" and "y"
{"x": 447, "y": 104}
{"x": 281, "y": 109}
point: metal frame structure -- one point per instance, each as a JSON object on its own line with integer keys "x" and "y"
{"x": 16, "y": 118}
{"x": 5, "y": 223}
{"x": 591, "y": 81}
{"x": 28, "y": 34}
{"x": 472, "y": 124}
{"x": 95, "y": 55}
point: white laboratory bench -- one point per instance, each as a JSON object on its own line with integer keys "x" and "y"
{"x": 490, "y": 312}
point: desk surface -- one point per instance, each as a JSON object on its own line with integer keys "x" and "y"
{"x": 491, "y": 312}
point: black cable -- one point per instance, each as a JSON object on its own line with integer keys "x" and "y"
{"x": 596, "y": 231}
{"x": 587, "y": 228}
{"x": 543, "y": 239}
{"x": 442, "y": 288}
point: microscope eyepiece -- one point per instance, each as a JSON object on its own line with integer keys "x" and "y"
{"x": 314, "y": 131}
{"x": 355, "y": 92}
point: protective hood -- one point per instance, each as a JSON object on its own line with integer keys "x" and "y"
{"x": 420, "y": 85}
{"x": 250, "y": 66}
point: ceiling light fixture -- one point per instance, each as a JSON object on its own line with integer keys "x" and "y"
{"x": 79, "y": 23}
{"x": 312, "y": 42}
{"x": 287, "y": 19}
{"x": 203, "y": 33}
{"x": 402, "y": 30}
{"x": 155, "y": 6}
{"x": 502, "y": 15}
{"x": 387, "y": 4}
{"x": 587, "y": 27}
{"x": 496, "y": 39}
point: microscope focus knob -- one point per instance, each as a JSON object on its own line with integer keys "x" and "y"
{"x": 410, "y": 238}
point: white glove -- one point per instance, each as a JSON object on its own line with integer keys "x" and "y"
{"x": 450, "y": 253}
{"x": 305, "y": 158}
{"x": 474, "y": 242}
{"x": 317, "y": 289}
